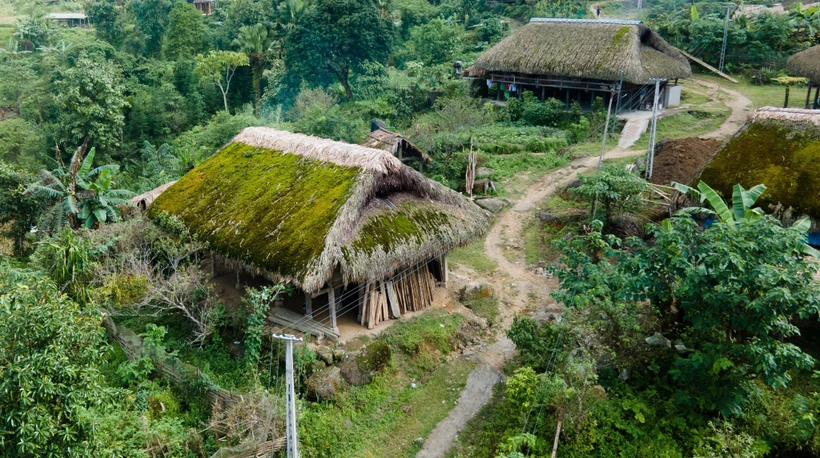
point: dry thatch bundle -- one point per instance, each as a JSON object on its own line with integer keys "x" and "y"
{"x": 806, "y": 64}
{"x": 298, "y": 208}
{"x": 394, "y": 144}
{"x": 779, "y": 147}
{"x": 592, "y": 49}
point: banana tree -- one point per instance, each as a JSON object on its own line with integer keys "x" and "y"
{"x": 741, "y": 211}
{"x": 81, "y": 195}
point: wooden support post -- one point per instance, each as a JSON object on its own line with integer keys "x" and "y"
{"x": 308, "y": 306}
{"x": 445, "y": 271}
{"x": 816, "y": 95}
{"x": 213, "y": 266}
{"x": 238, "y": 285}
{"x": 361, "y": 303}
{"x": 808, "y": 95}
{"x": 331, "y": 300}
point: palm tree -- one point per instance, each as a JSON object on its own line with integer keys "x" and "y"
{"x": 256, "y": 42}
{"x": 82, "y": 195}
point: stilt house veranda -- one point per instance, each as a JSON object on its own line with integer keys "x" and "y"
{"x": 355, "y": 230}
{"x": 581, "y": 59}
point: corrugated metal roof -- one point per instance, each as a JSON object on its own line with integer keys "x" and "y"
{"x": 586, "y": 21}
{"x": 67, "y": 16}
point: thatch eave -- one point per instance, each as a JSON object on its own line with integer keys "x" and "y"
{"x": 806, "y": 63}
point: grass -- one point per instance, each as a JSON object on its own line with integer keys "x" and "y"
{"x": 538, "y": 237}
{"x": 683, "y": 125}
{"x": 761, "y": 96}
{"x": 485, "y": 307}
{"x": 384, "y": 417}
{"x": 473, "y": 256}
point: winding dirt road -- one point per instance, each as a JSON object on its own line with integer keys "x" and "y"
{"x": 518, "y": 287}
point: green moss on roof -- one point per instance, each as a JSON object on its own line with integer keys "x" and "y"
{"x": 782, "y": 155}
{"x": 270, "y": 209}
{"x": 411, "y": 222}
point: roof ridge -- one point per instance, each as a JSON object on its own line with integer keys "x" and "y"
{"x": 320, "y": 149}
{"x": 586, "y": 21}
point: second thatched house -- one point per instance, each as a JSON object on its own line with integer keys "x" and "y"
{"x": 395, "y": 144}
{"x": 579, "y": 60}
{"x": 779, "y": 147}
{"x": 351, "y": 227}
{"x": 807, "y": 64}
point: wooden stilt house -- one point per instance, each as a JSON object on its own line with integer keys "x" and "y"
{"x": 395, "y": 144}
{"x": 354, "y": 229}
{"x": 807, "y": 64}
{"x": 577, "y": 60}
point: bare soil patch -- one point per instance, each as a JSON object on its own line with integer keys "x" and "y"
{"x": 680, "y": 159}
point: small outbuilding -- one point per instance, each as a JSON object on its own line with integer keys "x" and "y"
{"x": 779, "y": 147}
{"x": 69, "y": 19}
{"x": 358, "y": 232}
{"x": 581, "y": 59}
{"x": 807, "y": 65}
{"x": 395, "y": 144}
{"x": 205, "y": 6}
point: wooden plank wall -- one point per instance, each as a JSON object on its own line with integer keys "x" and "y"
{"x": 409, "y": 292}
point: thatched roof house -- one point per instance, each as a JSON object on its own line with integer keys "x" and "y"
{"x": 144, "y": 200}
{"x": 779, "y": 147}
{"x": 395, "y": 144}
{"x": 318, "y": 213}
{"x": 807, "y": 64}
{"x": 581, "y": 54}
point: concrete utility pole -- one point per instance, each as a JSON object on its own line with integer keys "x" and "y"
{"x": 290, "y": 407}
{"x": 725, "y": 36}
{"x": 606, "y": 127}
{"x": 650, "y": 160}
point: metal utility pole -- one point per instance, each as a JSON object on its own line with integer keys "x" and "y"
{"x": 618, "y": 103}
{"x": 606, "y": 127}
{"x": 725, "y": 36}
{"x": 290, "y": 406}
{"x": 650, "y": 160}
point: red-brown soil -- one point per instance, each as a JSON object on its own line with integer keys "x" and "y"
{"x": 680, "y": 159}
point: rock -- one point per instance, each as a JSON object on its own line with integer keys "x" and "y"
{"x": 325, "y": 356}
{"x": 491, "y": 204}
{"x": 354, "y": 345}
{"x": 361, "y": 369}
{"x": 658, "y": 340}
{"x": 681, "y": 348}
{"x": 475, "y": 290}
{"x": 354, "y": 374}
{"x": 324, "y": 384}
{"x": 640, "y": 163}
{"x": 413, "y": 385}
{"x": 483, "y": 172}
{"x": 418, "y": 442}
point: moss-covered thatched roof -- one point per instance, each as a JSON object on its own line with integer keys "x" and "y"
{"x": 592, "y": 49}
{"x": 297, "y": 208}
{"x": 806, "y": 64}
{"x": 779, "y": 147}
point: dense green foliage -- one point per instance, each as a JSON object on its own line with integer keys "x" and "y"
{"x": 49, "y": 348}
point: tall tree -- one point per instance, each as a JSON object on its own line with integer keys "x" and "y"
{"x": 152, "y": 18}
{"x": 18, "y": 212}
{"x": 256, "y": 42}
{"x": 105, "y": 16}
{"x": 91, "y": 104}
{"x": 185, "y": 36}
{"x": 336, "y": 37}
{"x": 218, "y": 67}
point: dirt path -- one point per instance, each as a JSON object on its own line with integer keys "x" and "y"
{"x": 739, "y": 104}
{"x": 518, "y": 288}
